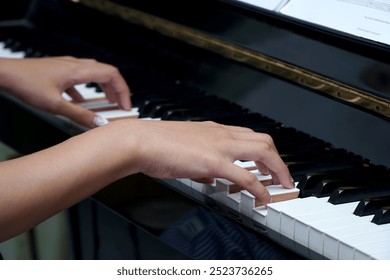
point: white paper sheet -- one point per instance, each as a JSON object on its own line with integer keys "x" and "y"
{"x": 363, "y": 18}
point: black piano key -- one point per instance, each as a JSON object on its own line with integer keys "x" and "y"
{"x": 13, "y": 45}
{"x": 254, "y": 121}
{"x": 315, "y": 155}
{"x": 310, "y": 181}
{"x": 145, "y": 81}
{"x": 94, "y": 86}
{"x": 31, "y": 52}
{"x": 198, "y": 114}
{"x": 299, "y": 169}
{"x": 367, "y": 176}
{"x": 148, "y": 105}
{"x": 349, "y": 194}
{"x": 158, "y": 107}
{"x": 214, "y": 111}
{"x": 371, "y": 206}
{"x": 327, "y": 187}
{"x": 23, "y": 42}
{"x": 293, "y": 145}
{"x": 382, "y": 216}
{"x": 169, "y": 89}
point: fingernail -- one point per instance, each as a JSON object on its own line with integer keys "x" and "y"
{"x": 99, "y": 120}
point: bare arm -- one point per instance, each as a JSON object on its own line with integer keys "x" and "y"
{"x": 34, "y": 187}
{"x": 37, "y": 186}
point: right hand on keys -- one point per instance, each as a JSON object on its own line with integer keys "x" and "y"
{"x": 167, "y": 149}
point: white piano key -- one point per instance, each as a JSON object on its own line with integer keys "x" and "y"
{"x": 203, "y": 188}
{"x": 250, "y": 165}
{"x": 89, "y": 92}
{"x": 186, "y": 185}
{"x": 332, "y": 236}
{"x": 198, "y": 190}
{"x": 357, "y": 226}
{"x": 277, "y": 192}
{"x": 362, "y": 256}
{"x": 17, "y": 55}
{"x": 349, "y": 244}
{"x": 306, "y": 226}
{"x": 292, "y": 210}
{"x": 338, "y": 243}
{"x": 246, "y": 198}
{"x": 280, "y": 193}
{"x": 66, "y": 96}
{"x": 150, "y": 119}
{"x": 294, "y": 219}
{"x": 225, "y": 187}
{"x": 247, "y": 204}
{"x": 274, "y": 212}
{"x": 118, "y": 114}
{"x": 8, "y": 53}
{"x": 185, "y": 181}
{"x": 233, "y": 202}
{"x": 318, "y": 229}
{"x": 99, "y": 105}
{"x": 384, "y": 255}
{"x": 374, "y": 246}
{"x": 5, "y": 53}
{"x": 259, "y": 215}
{"x": 286, "y": 229}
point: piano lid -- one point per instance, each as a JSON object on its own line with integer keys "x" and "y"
{"x": 351, "y": 69}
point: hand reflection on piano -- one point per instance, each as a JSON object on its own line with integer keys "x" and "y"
{"x": 203, "y": 234}
{"x": 158, "y": 148}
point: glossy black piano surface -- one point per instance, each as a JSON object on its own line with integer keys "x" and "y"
{"x": 142, "y": 218}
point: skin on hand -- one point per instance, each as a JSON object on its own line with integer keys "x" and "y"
{"x": 161, "y": 149}
{"x": 40, "y": 82}
{"x": 207, "y": 150}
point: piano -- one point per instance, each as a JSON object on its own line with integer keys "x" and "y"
{"x": 321, "y": 93}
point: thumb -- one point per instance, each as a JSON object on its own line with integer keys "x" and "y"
{"x": 80, "y": 115}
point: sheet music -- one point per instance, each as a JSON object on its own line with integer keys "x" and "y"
{"x": 363, "y": 18}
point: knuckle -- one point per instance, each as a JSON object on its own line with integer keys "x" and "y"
{"x": 268, "y": 139}
{"x": 266, "y": 148}
{"x": 250, "y": 179}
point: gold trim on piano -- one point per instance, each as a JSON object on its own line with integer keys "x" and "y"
{"x": 254, "y": 59}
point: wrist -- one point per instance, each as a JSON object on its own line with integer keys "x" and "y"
{"x": 122, "y": 146}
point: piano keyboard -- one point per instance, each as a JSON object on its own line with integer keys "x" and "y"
{"x": 303, "y": 219}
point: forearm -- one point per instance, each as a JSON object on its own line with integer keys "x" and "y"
{"x": 37, "y": 186}
{"x": 6, "y": 79}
